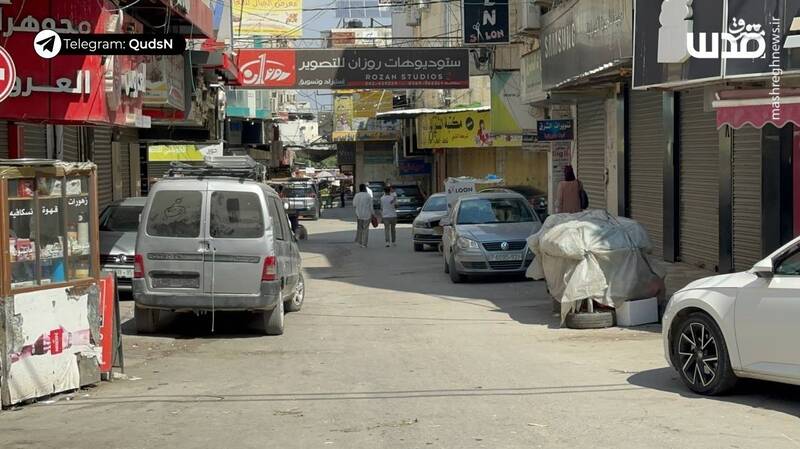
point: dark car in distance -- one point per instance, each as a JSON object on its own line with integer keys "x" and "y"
{"x": 409, "y": 201}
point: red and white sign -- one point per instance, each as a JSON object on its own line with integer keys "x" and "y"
{"x": 68, "y": 89}
{"x": 8, "y": 74}
{"x": 274, "y": 68}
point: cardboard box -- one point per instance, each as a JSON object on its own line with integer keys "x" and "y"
{"x": 636, "y": 313}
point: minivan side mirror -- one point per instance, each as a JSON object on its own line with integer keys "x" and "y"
{"x": 763, "y": 268}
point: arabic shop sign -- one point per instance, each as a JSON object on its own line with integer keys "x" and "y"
{"x": 584, "y": 37}
{"x": 408, "y": 167}
{"x": 454, "y": 130}
{"x": 186, "y": 153}
{"x": 485, "y": 22}
{"x": 68, "y": 89}
{"x": 554, "y": 130}
{"x": 419, "y": 68}
{"x": 675, "y": 45}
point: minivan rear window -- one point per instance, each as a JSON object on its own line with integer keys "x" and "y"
{"x": 236, "y": 215}
{"x": 175, "y": 213}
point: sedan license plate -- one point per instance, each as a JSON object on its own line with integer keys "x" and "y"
{"x": 505, "y": 257}
{"x": 126, "y": 273}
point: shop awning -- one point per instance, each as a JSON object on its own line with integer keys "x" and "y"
{"x": 757, "y": 108}
{"x": 412, "y": 113}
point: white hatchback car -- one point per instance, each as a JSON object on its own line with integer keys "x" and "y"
{"x": 738, "y": 325}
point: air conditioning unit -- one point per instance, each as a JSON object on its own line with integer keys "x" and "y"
{"x": 530, "y": 17}
{"x": 412, "y": 17}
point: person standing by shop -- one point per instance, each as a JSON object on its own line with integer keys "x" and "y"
{"x": 363, "y": 205}
{"x": 389, "y": 215}
{"x": 568, "y": 196}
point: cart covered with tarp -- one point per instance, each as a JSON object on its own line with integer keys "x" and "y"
{"x": 594, "y": 255}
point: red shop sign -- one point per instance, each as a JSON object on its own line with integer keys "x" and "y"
{"x": 69, "y": 89}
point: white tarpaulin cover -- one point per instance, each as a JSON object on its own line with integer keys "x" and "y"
{"x": 593, "y": 254}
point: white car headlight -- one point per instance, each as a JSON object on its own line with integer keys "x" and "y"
{"x": 465, "y": 243}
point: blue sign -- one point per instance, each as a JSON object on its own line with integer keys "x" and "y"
{"x": 550, "y": 130}
{"x": 414, "y": 167}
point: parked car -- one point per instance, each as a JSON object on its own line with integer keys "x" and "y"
{"x": 485, "y": 233}
{"x": 303, "y": 198}
{"x": 377, "y": 192}
{"x": 409, "y": 202}
{"x": 119, "y": 223}
{"x": 536, "y": 198}
{"x": 426, "y": 228}
{"x": 216, "y": 244}
{"x": 724, "y": 327}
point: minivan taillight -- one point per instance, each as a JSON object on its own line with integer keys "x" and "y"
{"x": 138, "y": 266}
{"x": 270, "y": 271}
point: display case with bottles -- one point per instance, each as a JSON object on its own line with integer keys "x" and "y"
{"x": 48, "y": 276}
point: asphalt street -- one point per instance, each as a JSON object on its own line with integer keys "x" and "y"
{"x": 388, "y": 353}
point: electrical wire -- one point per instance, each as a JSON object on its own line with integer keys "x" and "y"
{"x": 121, "y": 8}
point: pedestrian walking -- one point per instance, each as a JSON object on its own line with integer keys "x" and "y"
{"x": 389, "y": 215}
{"x": 363, "y": 205}
{"x": 342, "y": 196}
{"x": 568, "y": 196}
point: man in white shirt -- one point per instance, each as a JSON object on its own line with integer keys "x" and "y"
{"x": 363, "y": 205}
{"x": 389, "y": 214}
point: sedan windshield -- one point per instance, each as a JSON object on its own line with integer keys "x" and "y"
{"x": 494, "y": 210}
{"x": 120, "y": 219}
{"x": 436, "y": 204}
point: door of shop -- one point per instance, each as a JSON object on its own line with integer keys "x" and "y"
{"x": 645, "y": 165}
{"x": 592, "y": 151}
{"x": 101, "y": 155}
{"x": 699, "y": 182}
{"x": 34, "y": 141}
{"x": 746, "y": 197}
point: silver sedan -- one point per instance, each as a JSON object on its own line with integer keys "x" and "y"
{"x": 486, "y": 233}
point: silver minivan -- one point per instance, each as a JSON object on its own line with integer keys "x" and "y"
{"x": 216, "y": 244}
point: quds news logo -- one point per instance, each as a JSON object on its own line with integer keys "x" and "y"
{"x": 677, "y": 41}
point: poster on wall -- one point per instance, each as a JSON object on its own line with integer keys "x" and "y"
{"x": 469, "y": 129}
{"x": 354, "y": 116}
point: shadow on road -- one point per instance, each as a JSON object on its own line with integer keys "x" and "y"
{"x": 752, "y": 393}
{"x": 403, "y": 270}
{"x": 191, "y": 326}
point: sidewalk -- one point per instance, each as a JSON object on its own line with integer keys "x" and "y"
{"x": 681, "y": 274}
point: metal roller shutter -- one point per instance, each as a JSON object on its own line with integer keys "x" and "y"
{"x": 699, "y": 183}
{"x": 592, "y": 151}
{"x": 746, "y": 198}
{"x": 34, "y": 141}
{"x": 101, "y": 155}
{"x": 127, "y": 136}
{"x": 71, "y": 145}
{"x": 3, "y": 139}
{"x": 645, "y": 165}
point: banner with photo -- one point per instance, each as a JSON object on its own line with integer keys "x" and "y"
{"x": 354, "y": 116}
{"x": 282, "y": 18}
{"x": 468, "y": 129}
{"x": 511, "y": 118}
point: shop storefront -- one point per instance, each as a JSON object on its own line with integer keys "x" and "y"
{"x": 728, "y": 188}
{"x": 586, "y": 48}
{"x": 67, "y": 107}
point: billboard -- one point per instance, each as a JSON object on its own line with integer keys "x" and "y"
{"x": 468, "y": 129}
{"x": 417, "y": 68}
{"x": 267, "y": 18}
{"x": 354, "y": 117}
{"x": 510, "y": 117}
{"x": 186, "y": 153}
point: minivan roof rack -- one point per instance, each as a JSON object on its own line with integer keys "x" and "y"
{"x": 223, "y": 166}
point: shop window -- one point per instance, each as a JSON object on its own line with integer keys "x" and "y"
{"x": 23, "y": 232}
{"x": 78, "y": 228}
